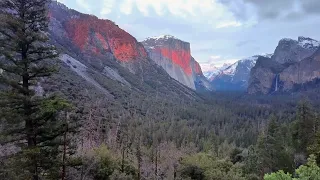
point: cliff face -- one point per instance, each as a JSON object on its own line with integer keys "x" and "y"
{"x": 294, "y": 63}
{"x": 94, "y": 36}
{"x": 302, "y": 72}
{"x": 106, "y": 58}
{"x": 174, "y": 56}
{"x": 263, "y": 76}
{"x": 291, "y": 51}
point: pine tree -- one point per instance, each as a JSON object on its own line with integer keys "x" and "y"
{"x": 272, "y": 153}
{"x": 306, "y": 128}
{"x": 32, "y": 119}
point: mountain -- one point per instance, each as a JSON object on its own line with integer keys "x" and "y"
{"x": 174, "y": 56}
{"x": 291, "y": 51}
{"x": 101, "y": 56}
{"x": 214, "y": 71}
{"x": 294, "y": 63}
{"x": 236, "y": 76}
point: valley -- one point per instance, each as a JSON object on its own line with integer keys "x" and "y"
{"x": 116, "y": 108}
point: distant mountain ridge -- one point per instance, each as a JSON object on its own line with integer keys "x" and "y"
{"x": 236, "y": 76}
{"x": 214, "y": 71}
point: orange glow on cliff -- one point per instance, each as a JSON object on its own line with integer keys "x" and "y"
{"x": 123, "y": 45}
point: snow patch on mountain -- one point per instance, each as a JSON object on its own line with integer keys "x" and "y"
{"x": 214, "y": 71}
{"x": 231, "y": 70}
{"x": 161, "y": 37}
{"x": 308, "y": 43}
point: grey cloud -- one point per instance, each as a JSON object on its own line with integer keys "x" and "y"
{"x": 272, "y": 9}
{"x": 311, "y": 6}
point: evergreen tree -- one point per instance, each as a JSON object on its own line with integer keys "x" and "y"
{"x": 273, "y": 154}
{"x": 306, "y": 127}
{"x": 32, "y": 118}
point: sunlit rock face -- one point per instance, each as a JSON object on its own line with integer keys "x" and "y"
{"x": 93, "y": 35}
{"x": 174, "y": 56}
{"x": 98, "y": 40}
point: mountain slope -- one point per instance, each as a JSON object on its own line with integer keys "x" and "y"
{"x": 109, "y": 54}
{"x": 174, "y": 56}
{"x": 294, "y": 63}
{"x": 236, "y": 76}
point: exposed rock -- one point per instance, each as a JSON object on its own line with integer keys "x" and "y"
{"x": 93, "y": 35}
{"x": 291, "y": 51}
{"x": 262, "y": 75}
{"x": 302, "y": 72}
{"x": 174, "y": 56}
{"x": 81, "y": 70}
{"x": 293, "y": 63}
{"x": 106, "y": 59}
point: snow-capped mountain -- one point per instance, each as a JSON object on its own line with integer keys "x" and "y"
{"x": 160, "y": 37}
{"x": 214, "y": 71}
{"x": 295, "y": 63}
{"x": 236, "y": 76}
{"x": 308, "y": 43}
{"x": 291, "y": 51}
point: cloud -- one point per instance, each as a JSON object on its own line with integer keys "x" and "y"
{"x": 232, "y": 29}
{"x": 229, "y": 24}
{"x": 216, "y": 61}
{"x": 272, "y": 9}
{"x": 311, "y": 6}
{"x": 210, "y": 12}
{"x": 84, "y": 5}
{"x": 107, "y": 6}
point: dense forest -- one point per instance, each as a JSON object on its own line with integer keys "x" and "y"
{"x": 53, "y": 131}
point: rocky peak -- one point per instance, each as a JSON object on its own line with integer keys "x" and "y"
{"x": 93, "y": 35}
{"x": 171, "y": 48}
{"x": 161, "y": 37}
{"x": 308, "y": 43}
{"x": 291, "y": 51}
{"x": 174, "y": 56}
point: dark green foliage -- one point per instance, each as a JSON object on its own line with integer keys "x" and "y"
{"x": 304, "y": 172}
{"x": 192, "y": 172}
{"x": 305, "y": 127}
{"x": 206, "y": 167}
{"x": 31, "y": 119}
{"x": 272, "y": 151}
{"x": 104, "y": 165}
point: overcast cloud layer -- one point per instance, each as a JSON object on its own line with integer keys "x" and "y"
{"x": 220, "y": 31}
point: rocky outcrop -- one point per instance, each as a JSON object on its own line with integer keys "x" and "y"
{"x": 93, "y": 35}
{"x": 263, "y": 76}
{"x": 294, "y": 63}
{"x": 106, "y": 59}
{"x": 174, "y": 56}
{"x": 201, "y": 82}
{"x": 291, "y": 51}
{"x": 300, "y": 73}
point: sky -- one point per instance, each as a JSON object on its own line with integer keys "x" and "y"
{"x": 219, "y": 31}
